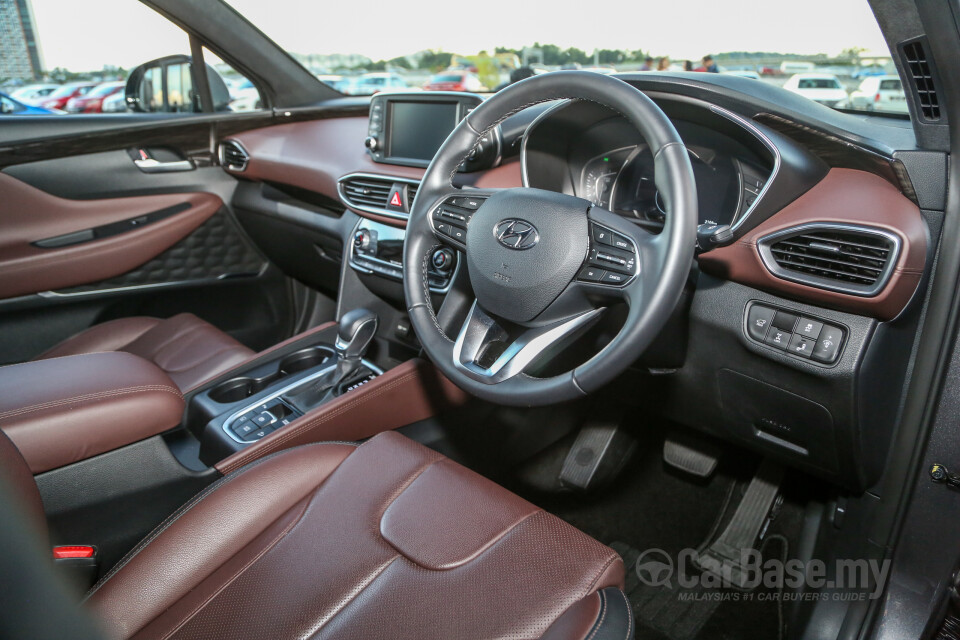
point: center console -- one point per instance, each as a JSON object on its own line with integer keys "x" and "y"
{"x": 272, "y": 394}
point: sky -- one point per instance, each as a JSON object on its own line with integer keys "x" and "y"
{"x": 85, "y": 35}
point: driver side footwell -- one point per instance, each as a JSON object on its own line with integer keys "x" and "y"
{"x": 655, "y": 507}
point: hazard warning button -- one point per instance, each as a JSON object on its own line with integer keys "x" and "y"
{"x": 395, "y": 202}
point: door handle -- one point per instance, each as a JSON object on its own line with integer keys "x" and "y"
{"x": 149, "y": 165}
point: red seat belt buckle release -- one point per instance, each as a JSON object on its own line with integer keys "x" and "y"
{"x": 73, "y": 551}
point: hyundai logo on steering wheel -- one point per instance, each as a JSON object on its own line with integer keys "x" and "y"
{"x": 516, "y": 234}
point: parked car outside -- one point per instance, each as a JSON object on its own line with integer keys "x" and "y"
{"x": 33, "y": 93}
{"x": 114, "y": 103}
{"x": 880, "y": 93}
{"x": 372, "y": 83}
{"x": 824, "y": 88}
{"x": 455, "y": 81}
{"x": 9, "y": 106}
{"x": 59, "y": 98}
{"x": 92, "y": 101}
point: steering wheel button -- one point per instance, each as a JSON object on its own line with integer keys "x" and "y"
{"x": 603, "y": 236}
{"x": 611, "y": 277}
{"x": 458, "y": 234}
{"x": 620, "y": 242}
{"x": 443, "y": 228}
{"x": 591, "y": 274}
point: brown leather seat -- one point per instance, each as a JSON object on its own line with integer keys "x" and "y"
{"x": 190, "y": 350}
{"x": 388, "y": 539}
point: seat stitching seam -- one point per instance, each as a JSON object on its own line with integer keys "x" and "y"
{"x": 629, "y": 614}
{"x": 324, "y": 418}
{"x": 603, "y": 615}
{"x": 600, "y": 573}
{"x": 84, "y": 398}
{"x": 243, "y": 569}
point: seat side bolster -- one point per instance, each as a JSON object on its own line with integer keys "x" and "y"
{"x": 207, "y": 532}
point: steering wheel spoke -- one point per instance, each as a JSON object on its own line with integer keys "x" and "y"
{"x": 490, "y": 351}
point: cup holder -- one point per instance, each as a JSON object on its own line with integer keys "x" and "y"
{"x": 304, "y": 359}
{"x": 238, "y": 389}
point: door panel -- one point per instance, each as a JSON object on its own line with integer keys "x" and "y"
{"x": 194, "y": 257}
{"x": 48, "y": 242}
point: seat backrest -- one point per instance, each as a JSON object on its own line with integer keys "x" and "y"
{"x": 16, "y": 476}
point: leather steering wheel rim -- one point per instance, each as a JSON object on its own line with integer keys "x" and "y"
{"x": 664, "y": 260}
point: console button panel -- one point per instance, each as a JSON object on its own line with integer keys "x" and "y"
{"x": 793, "y": 333}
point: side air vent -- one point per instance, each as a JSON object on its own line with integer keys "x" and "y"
{"x": 372, "y": 194}
{"x": 233, "y": 156}
{"x": 922, "y": 79}
{"x": 845, "y": 258}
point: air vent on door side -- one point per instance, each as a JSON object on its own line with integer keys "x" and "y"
{"x": 923, "y": 78}
{"x": 845, "y": 258}
{"x": 233, "y": 156}
{"x": 370, "y": 193}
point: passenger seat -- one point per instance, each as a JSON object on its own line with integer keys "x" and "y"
{"x": 189, "y": 349}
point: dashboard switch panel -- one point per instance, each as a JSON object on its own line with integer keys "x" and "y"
{"x": 797, "y": 335}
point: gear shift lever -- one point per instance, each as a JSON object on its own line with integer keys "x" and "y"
{"x": 356, "y": 331}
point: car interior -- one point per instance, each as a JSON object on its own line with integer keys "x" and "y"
{"x": 448, "y": 365}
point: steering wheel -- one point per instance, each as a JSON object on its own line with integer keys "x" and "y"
{"x": 534, "y": 257}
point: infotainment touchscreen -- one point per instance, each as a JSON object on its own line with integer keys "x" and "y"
{"x": 417, "y": 129}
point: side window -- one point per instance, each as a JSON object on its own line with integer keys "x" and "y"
{"x": 107, "y": 67}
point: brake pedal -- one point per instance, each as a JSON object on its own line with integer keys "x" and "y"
{"x": 724, "y": 556}
{"x": 693, "y": 455}
{"x": 598, "y": 453}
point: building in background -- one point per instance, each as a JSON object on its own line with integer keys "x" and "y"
{"x": 20, "y": 56}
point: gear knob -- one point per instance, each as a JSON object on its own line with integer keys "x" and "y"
{"x": 357, "y": 328}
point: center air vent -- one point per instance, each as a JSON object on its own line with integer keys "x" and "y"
{"x": 233, "y": 156}
{"x": 845, "y": 258}
{"x": 373, "y": 194}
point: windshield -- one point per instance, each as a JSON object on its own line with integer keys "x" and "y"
{"x": 768, "y": 42}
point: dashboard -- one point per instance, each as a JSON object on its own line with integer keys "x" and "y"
{"x": 800, "y": 205}
{"x": 609, "y": 164}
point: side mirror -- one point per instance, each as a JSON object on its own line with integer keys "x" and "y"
{"x": 166, "y": 85}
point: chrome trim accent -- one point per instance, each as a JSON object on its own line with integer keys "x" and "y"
{"x": 766, "y": 256}
{"x": 765, "y": 141}
{"x": 156, "y": 285}
{"x": 273, "y": 396}
{"x": 477, "y": 329}
{"x": 526, "y": 136}
{"x": 359, "y": 267}
{"x": 367, "y": 209}
{"x": 222, "y": 157}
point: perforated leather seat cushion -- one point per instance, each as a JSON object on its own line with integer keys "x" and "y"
{"x": 388, "y": 539}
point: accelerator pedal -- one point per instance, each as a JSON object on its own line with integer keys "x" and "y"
{"x": 724, "y": 556}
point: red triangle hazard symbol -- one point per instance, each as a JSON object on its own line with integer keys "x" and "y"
{"x": 395, "y": 200}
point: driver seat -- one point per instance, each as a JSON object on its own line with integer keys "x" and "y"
{"x": 332, "y": 540}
